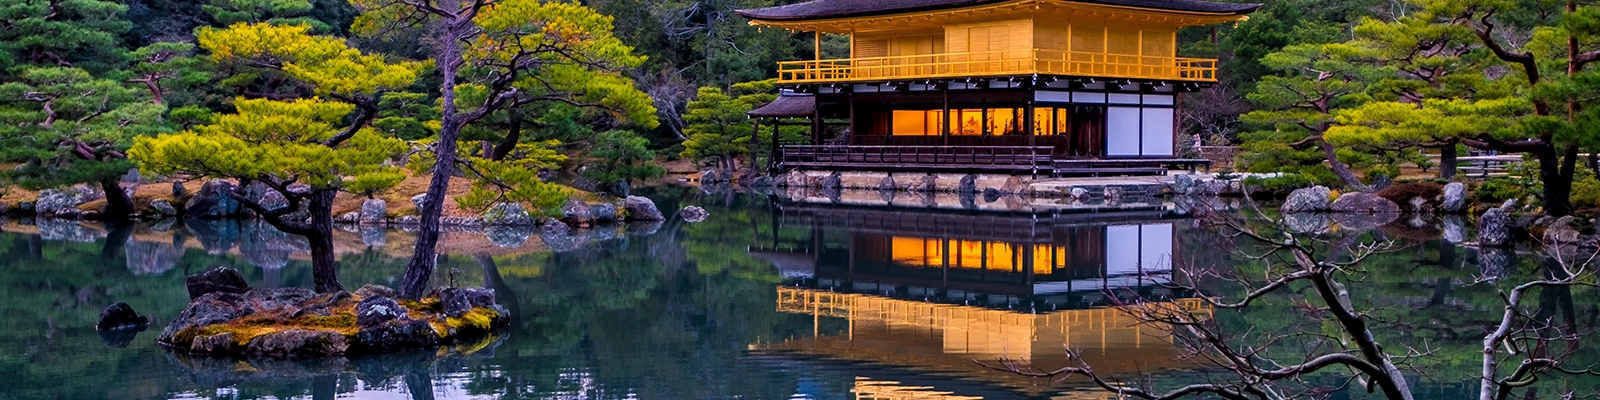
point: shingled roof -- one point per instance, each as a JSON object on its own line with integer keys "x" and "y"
{"x": 824, "y": 9}
{"x": 787, "y": 105}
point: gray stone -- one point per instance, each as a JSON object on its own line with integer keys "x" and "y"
{"x": 508, "y": 236}
{"x": 221, "y": 343}
{"x": 120, "y": 316}
{"x": 68, "y": 230}
{"x": 394, "y": 335}
{"x": 1454, "y": 228}
{"x": 1182, "y": 184}
{"x": 507, "y": 214}
{"x": 1381, "y": 182}
{"x": 1113, "y": 194}
{"x": 348, "y": 218}
{"x": 576, "y": 212}
{"x": 1311, "y": 199}
{"x": 418, "y": 199}
{"x": 374, "y": 211}
{"x": 378, "y": 310}
{"x": 178, "y": 190}
{"x": 214, "y": 200}
{"x": 1494, "y": 227}
{"x": 212, "y": 308}
{"x": 694, "y": 214}
{"x": 161, "y": 206}
{"x": 1561, "y": 231}
{"x": 298, "y": 342}
{"x": 991, "y": 195}
{"x": 968, "y": 185}
{"x": 52, "y": 201}
{"x": 603, "y": 212}
{"x": 641, "y": 208}
{"x": 373, "y": 290}
{"x": 555, "y": 228}
{"x": 219, "y": 279}
{"x": 1364, "y": 203}
{"x": 887, "y": 184}
{"x": 1078, "y": 193}
{"x": 833, "y": 181}
{"x": 925, "y": 184}
{"x": 1455, "y": 198}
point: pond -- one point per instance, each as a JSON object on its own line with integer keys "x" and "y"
{"x": 766, "y": 299}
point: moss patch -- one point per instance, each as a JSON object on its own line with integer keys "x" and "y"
{"x": 341, "y": 319}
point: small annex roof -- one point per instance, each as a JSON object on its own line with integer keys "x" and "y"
{"x": 788, "y": 105}
{"x": 827, "y": 9}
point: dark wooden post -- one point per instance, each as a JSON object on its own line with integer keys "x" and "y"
{"x": 1447, "y": 161}
{"x": 772, "y": 164}
{"x": 816, "y": 122}
{"x": 947, "y": 113}
{"x": 755, "y": 140}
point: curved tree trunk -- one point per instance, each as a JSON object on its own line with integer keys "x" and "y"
{"x": 420, "y": 268}
{"x": 1339, "y": 168}
{"x": 118, "y": 205}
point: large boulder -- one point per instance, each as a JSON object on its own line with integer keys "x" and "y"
{"x": 219, "y": 279}
{"x": 1420, "y": 197}
{"x": 575, "y": 212}
{"x": 378, "y": 310}
{"x": 212, "y": 308}
{"x": 1494, "y": 227}
{"x": 969, "y": 184}
{"x": 458, "y": 301}
{"x": 1454, "y": 198}
{"x": 833, "y": 181}
{"x": 52, "y": 201}
{"x": 214, "y": 200}
{"x": 641, "y": 208}
{"x": 374, "y": 211}
{"x": 694, "y": 214}
{"x": 507, "y": 214}
{"x": 120, "y": 316}
{"x": 1364, "y": 203}
{"x": 1311, "y": 199}
{"x": 603, "y": 212}
{"x": 162, "y": 207}
{"x": 418, "y": 200}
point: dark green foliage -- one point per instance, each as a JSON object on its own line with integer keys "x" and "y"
{"x": 621, "y": 156}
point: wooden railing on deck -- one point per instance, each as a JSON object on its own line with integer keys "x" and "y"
{"x": 1005, "y": 62}
{"x": 990, "y": 158}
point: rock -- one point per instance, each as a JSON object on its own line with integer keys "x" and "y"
{"x": 371, "y": 290}
{"x": 1078, "y": 193}
{"x": 991, "y": 195}
{"x": 348, "y": 218}
{"x": 1454, "y": 228}
{"x": 603, "y": 212}
{"x": 221, "y": 343}
{"x": 575, "y": 212}
{"x": 52, "y": 201}
{"x": 458, "y": 301}
{"x": 1494, "y": 227}
{"x": 1562, "y": 231}
{"x": 409, "y": 221}
{"x": 298, "y": 342}
{"x": 1454, "y": 198}
{"x": 72, "y": 231}
{"x": 969, "y": 184}
{"x": 395, "y": 335}
{"x": 833, "y": 181}
{"x": 219, "y": 279}
{"x": 178, "y": 190}
{"x": 1113, "y": 195}
{"x": 1305, "y": 222}
{"x": 212, "y": 308}
{"x": 1182, "y": 183}
{"x": 373, "y": 235}
{"x": 1364, "y": 203}
{"x": 214, "y": 200}
{"x": 507, "y": 214}
{"x": 585, "y": 184}
{"x": 760, "y": 181}
{"x": 272, "y": 200}
{"x": 378, "y": 310}
{"x": 1381, "y": 182}
{"x": 1358, "y": 221}
{"x": 374, "y": 211}
{"x": 694, "y": 214}
{"x": 162, "y": 207}
{"x": 555, "y": 228}
{"x": 120, "y": 316}
{"x": 1311, "y": 199}
{"x": 418, "y": 200}
{"x": 641, "y": 208}
{"x": 926, "y": 184}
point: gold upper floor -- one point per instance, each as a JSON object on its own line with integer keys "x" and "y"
{"x": 1018, "y": 37}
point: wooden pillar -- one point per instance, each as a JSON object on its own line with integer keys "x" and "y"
{"x": 1028, "y": 119}
{"x": 816, "y": 122}
{"x": 817, "y": 45}
{"x": 947, "y": 113}
{"x": 755, "y": 141}
{"x": 772, "y": 165}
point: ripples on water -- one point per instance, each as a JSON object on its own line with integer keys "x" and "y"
{"x": 764, "y": 300}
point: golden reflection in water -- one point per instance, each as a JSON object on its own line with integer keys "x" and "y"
{"x": 947, "y": 338}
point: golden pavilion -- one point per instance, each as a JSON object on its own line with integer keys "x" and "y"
{"x": 1076, "y": 86}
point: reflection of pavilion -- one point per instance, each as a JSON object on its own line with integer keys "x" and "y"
{"x": 924, "y": 294}
{"x": 1006, "y": 261}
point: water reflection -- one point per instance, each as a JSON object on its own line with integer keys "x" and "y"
{"x": 763, "y": 300}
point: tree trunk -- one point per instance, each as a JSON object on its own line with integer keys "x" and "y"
{"x": 324, "y": 269}
{"x": 118, "y": 205}
{"x": 1447, "y": 161}
{"x": 420, "y": 269}
{"x": 1339, "y": 168}
{"x": 509, "y": 143}
{"x": 1557, "y": 173}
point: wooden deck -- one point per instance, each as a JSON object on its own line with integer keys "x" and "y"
{"x": 985, "y": 159}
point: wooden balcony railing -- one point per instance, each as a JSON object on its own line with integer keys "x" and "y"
{"x": 994, "y": 63}
{"x": 1030, "y": 159}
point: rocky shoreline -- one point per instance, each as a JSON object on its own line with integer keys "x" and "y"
{"x": 226, "y": 317}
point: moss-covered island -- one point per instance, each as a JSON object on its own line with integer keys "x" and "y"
{"x": 224, "y": 317}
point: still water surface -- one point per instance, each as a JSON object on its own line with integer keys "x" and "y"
{"x": 764, "y": 300}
